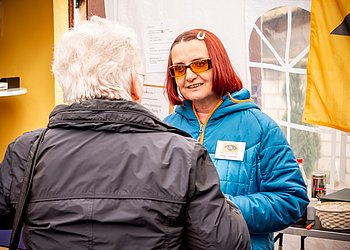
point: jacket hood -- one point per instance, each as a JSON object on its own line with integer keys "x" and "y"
{"x": 108, "y": 115}
{"x": 232, "y": 102}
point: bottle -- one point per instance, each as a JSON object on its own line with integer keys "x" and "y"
{"x": 301, "y": 167}
{"x": 311, "y": 212}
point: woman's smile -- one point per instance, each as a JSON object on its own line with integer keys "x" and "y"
{"x": 196, "y": 85}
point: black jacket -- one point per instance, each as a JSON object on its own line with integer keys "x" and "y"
{"x": 110, "y": 175}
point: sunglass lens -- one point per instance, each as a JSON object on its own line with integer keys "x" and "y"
{"x": 199, "y": 66}
{"x": 179, "y": 70}
{"x": 196, "y": 67}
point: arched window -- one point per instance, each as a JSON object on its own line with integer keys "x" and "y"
{"x": 278, "y": 51}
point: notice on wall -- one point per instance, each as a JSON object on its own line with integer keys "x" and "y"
{"x": 154, "y": 99}
{"x": 158, "y": 38}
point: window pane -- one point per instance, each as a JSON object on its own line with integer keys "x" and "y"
{"x": 300, "y": 33}
{"x": 273, "y": 95}
{"x": 255, "y": 45}
{"x": 256, "y": 85}
{"x": 301, "y": 64}
{"x": 274, "y": 28}
{"x": 307, "y": 145}
{"x": 297, "y": 84}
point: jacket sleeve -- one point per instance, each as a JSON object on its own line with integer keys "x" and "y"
{"x": 212, "y": 221}
{"x": 11, "y": 175}
{"x": 6, "y": 212}
{"x": 281, "y": 199}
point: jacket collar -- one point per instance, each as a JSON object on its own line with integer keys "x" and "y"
{"x": 232, "y": 103}
{"x": 108, "y": 115}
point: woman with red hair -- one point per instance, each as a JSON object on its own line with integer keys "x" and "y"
{"x": 257, "y": 168}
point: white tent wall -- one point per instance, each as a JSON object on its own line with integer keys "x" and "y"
{"x": 226, "y": 20}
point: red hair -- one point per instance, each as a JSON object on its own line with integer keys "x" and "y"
{"x": 225, "y": 78}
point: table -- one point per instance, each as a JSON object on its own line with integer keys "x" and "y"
{"x": 316, "y": 231}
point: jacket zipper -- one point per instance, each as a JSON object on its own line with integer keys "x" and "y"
{"x": 200, "y": 130}
{"x": 203, "y": 125}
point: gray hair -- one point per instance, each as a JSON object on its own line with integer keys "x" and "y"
{"x": 96, "y": 59}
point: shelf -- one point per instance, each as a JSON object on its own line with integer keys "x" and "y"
{"x": 13, "y": 92}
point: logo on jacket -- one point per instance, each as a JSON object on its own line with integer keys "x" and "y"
{"x": 230, "y": 147}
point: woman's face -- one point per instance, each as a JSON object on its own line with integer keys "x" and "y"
{"x": 194, "y": 87}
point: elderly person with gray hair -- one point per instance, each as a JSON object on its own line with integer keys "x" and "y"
{"x": 108, "y": 174}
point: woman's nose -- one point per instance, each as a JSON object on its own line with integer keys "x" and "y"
{"x": 190, "y": 75}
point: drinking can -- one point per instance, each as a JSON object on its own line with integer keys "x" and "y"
{"x": 318, "y": 185}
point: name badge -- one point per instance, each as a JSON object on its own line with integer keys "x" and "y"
{"x": 230, "y": 150}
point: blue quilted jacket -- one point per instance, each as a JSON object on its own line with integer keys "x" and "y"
{"x": 266, "y": 184}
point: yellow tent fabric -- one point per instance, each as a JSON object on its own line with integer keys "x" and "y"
{"x": 328, "y": 70}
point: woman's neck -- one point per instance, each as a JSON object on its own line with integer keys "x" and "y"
{"x": 204, "y": 110}
{"x": 207, "y": 105}
{"x": 202, "y": 117}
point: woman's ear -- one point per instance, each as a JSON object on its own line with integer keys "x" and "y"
{"x": 136, "y": 91}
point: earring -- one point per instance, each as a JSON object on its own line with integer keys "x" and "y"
{"x": 179, "y": 93}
